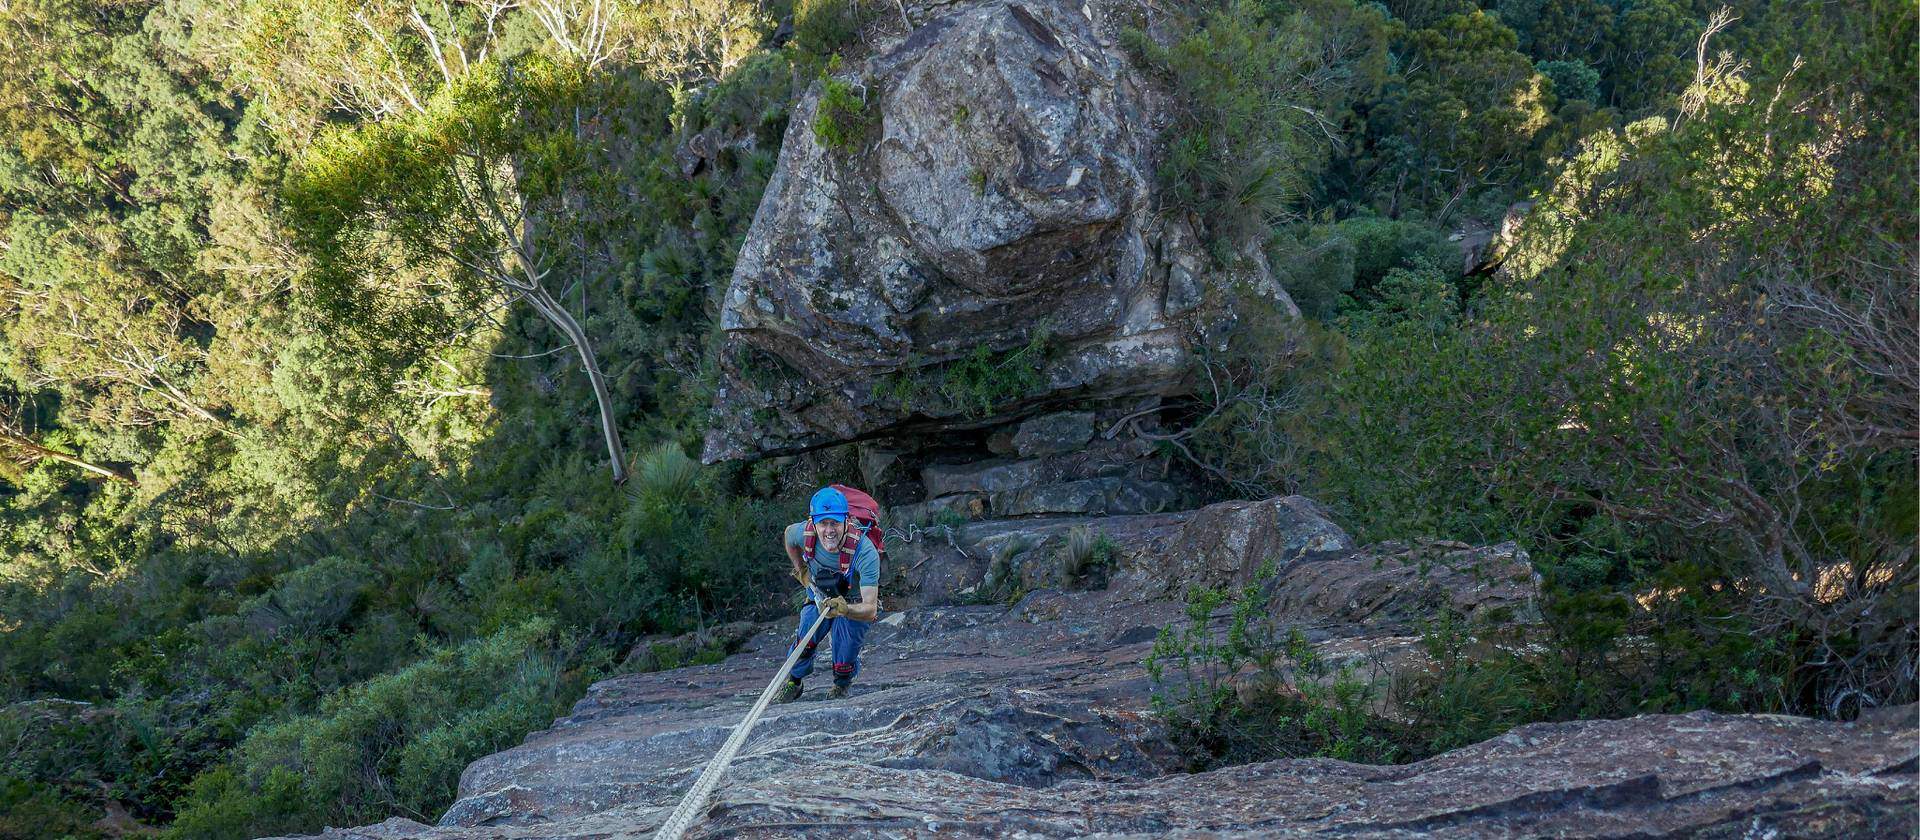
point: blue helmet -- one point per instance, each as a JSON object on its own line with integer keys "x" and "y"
{"x": 828, "y": 503}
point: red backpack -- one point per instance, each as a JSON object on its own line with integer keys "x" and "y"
{"x": 863, "y": 522}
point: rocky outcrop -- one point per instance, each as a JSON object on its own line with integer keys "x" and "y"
{"x": 1318, "y": 568}
{"x": 983, "y": 244}
{"x": 1398, "y": 585}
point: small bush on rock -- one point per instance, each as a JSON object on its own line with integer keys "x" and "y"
{"x": 1255, "y": 693}
{"x": 842, "y": 118}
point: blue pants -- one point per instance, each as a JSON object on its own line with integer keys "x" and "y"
{"x": 847, "y": 637}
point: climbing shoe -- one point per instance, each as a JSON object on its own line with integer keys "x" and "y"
{"x": 839, "y": 690}
{"x": 788, "y": 693}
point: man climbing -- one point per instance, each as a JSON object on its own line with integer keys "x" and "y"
{"x": 837, "y": 561}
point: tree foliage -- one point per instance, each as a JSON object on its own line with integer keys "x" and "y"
{"x": 1262, "y": 91}
{"x": 298, "y": 466}
{"x": 1691, "y": 390}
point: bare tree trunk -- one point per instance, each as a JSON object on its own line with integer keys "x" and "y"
{"x": 557, "y": 315}
{"x": 39, "y": 451}
{"x": 518, "y": 226}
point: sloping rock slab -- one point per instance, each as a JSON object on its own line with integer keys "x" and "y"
{"x": 1695, "y": 775}
{"x": 990, "y": 721}
{"x": 962, "y": 690}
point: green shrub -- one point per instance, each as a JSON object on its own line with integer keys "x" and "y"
{"x": 1472, "y": 690}
{"x": 977, "y": 384}
{"x": 1316, "y": 269}
{"x": 667, "y": 475}
{"x": 1255, "y": 693}
{"x": 394, "y": 743}
{"x": 1259, "y": 105}
{"x": 754, "y": 96}
{"x": 61, "y": 760}
{"x": 984, "y": 381}
{"x": 1419, "y": 298}
{"x": 842, "y": 120}
{"x": 223, "y": 803}
{"x": 1382, "y": 245}
{"x": 613, "y": 594}
{"x": 1200, "y": 702}
{"x": 1334, "y": 268}
{"x": 312, "y": 598}
{"x": 30, "y": 810}
{"x": 823, "y": 28}
{"x": 700, "y": 560}
{"x": 1252, "y": 434}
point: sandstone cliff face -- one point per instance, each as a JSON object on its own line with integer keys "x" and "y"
{"x": 1003, "y": 190}
{"x": 1030, "y": 720}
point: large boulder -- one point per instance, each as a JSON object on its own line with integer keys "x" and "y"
{"x": 983, "y": 244}
{"x": 1320, "y": 574}
{"x": 1224, "y": 545}
{"x": 1397, "y": 585}
{"x": 1053, "y": 434}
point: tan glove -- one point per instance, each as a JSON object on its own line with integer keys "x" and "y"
{"x": 836, "y": 606}
{"x": 801, "y": 576}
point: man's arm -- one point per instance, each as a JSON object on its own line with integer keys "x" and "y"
{"x": 867, "y": 567}
{"x": 869, "y": 607}
{"x": 793, "y": 556}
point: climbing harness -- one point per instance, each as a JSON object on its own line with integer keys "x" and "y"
{"x": 695, "y": 802}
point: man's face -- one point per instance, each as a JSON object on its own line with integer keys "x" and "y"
{"x": 829, "y": 531}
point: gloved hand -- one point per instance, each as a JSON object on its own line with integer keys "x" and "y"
{"x": 801, "y": 576}
{"x": 835, "y": 606}
{"x": 830, "y": 582}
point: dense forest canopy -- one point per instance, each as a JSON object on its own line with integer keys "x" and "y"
{"x": 322, "y": 325}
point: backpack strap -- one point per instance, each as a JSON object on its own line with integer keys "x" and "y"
{"x": 848, "y": 545}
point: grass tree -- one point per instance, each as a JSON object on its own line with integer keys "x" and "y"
{"x": 425, "y": 221}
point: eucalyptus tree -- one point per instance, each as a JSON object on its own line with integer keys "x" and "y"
{"x": 418, "y": 223}
{"x": 473, "y": 162}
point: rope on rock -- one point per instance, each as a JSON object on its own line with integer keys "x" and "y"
{"x": 695, "y": 802}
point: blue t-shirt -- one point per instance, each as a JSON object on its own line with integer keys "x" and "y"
{"x": 866, "y": 561}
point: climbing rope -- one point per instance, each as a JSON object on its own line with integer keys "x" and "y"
{"x": 695, "y": 802}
